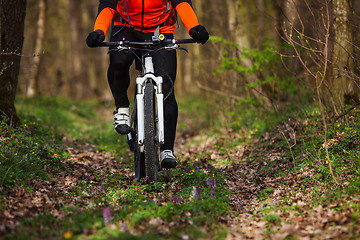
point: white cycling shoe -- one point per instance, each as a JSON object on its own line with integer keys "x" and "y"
{"x": 122, "y": 120}
{"x": 168, "y": 160}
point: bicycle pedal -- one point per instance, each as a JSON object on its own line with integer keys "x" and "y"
{"x": 131, "y": 141}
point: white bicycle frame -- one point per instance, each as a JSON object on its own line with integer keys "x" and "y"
{"x": 148, "y": 70}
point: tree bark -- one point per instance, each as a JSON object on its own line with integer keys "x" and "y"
{"x": 75, "y": 82}
{"x": 279, "y": 6}
{"x": 260, "y": 5}
{"x": 33, "y": 88}
{"x": 355, "y": 6}
{"x": 12, "y": 17}
{"x": 344, "y": 87}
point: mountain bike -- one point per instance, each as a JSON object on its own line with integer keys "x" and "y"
{"x": 147, "y": 117}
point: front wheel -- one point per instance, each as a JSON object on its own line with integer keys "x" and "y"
{"x": 150, "y": 149}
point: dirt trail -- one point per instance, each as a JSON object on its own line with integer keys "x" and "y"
{"x": 268, "y": 201}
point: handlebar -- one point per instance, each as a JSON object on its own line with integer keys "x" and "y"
{"x": 146, "y": 43}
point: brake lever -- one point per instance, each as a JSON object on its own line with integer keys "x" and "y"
{"x": 122, "y": 48}
{"x": 184, "y": 49}
{"x": 176, "y": 47}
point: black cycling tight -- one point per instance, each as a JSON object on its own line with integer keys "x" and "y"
{"x": 165, "y": 65}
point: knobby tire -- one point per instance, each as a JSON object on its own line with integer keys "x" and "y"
{"x": 149, "y": 142}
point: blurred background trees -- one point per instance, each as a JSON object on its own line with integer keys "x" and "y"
{"x": 262, "y": 52}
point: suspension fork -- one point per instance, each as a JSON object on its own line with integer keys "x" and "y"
{"x": 148, "y": 75}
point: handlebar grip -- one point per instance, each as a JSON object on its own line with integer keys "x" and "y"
{"x": 109, "y": 44}
{"x": 179, "y": 41}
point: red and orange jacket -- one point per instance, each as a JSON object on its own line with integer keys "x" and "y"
{"x": 145, "y": 15}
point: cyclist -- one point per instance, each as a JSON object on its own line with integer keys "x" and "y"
{"x": 139, "y": 20}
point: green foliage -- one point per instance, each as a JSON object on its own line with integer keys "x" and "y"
{"x": 28, "y": 152}
{"x": 263, "y": 194}
{"x": 273, "y": 219}
{"x": 262, "y": 71}
{"x": 343, "y": 140}
{"x": 264, "y": 64}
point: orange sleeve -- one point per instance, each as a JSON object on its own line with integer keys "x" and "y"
{"x": 187, "y": 15}
{"x": 103, "y": 20}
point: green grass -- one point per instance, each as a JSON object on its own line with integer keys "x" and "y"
{"x": 29, "y": 152}
{"x": 74, "y": 119}
{"x": 198, "y": 113}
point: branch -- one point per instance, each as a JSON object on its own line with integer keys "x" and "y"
{"x": 290, "y": 148}
{"x": 348, "y": 111}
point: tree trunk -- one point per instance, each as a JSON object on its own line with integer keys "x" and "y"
{"x": 355, "y": 6}
{"x": 75, "y": 81}
{"x": 279, "y": 6}
{"x": 12, "y": 16}
{"x": 260, "y": 6}
{"x": 344, "y": 87}
{"x": 33, "y": 88}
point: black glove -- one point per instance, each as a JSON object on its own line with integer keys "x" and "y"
{"x": 95, "y": 38}
{"x": 199, "y": 34}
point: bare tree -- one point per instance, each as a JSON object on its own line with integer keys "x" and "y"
{"x": 314, "y": 55}
{"x": 33, "y": 88}
{"x": 12, "y": 16}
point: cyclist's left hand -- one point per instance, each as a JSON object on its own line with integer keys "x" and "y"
{"x": 199, "y": 34}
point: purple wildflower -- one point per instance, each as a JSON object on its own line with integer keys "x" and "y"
{"x": 198, "y": 193}
{"x": 107, "y": 215}
{"x": 125, "y": 228}
{"x": 175, "y": 199}
{"x": 212, "y": 185}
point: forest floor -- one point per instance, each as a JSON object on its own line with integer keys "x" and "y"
{"x": 229, "y": 185}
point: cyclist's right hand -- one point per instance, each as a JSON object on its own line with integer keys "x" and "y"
{"x": 95, "y": 38}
